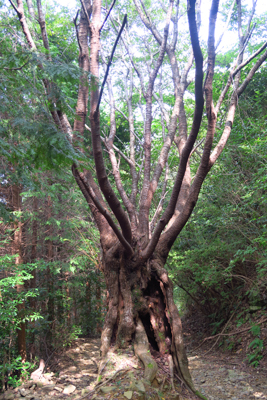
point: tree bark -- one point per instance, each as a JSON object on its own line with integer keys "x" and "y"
{"x": 17, "y": 250}
{"x": 139, "y": 291}
{"x": 49, "y": 274}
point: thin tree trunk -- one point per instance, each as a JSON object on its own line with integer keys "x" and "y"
{"x": 17, "y": 249}
{"x": 49, "y": 274}
{"x": 33, "y": 280}
{"x": 88, "y": 304}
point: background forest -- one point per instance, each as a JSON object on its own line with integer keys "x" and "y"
{"x": 51, "y": 286}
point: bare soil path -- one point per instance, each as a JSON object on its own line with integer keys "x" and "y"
{"x": 215, "y": 376}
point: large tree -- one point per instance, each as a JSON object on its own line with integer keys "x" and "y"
{"x": 139, "y": 221}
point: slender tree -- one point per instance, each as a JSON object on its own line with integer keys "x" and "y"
{"x": 136, "y": 244}
{"x": 17, "y": 249}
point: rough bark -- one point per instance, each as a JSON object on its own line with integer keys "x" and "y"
{"x": 141, "y": 308}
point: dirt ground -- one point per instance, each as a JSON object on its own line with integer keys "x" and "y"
{"x": 218, "y": 373}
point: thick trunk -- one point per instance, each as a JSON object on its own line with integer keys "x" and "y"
{"x": 140, "y": 302}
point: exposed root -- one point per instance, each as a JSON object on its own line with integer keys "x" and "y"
{"x": 177, "y": 349}
{"x": 101, "y": 367}
{"x": 170, "y": 361}
{"x": 141, "y": 349}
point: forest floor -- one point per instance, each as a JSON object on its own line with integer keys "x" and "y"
{"x": 216, "y": 375}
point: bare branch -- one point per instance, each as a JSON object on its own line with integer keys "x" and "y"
{"x": 89, "y": 194}
{"x": 76, "y": 29}
{"x": 145, "y": 199}
{"x": 247, "y": 61}
{"x": 20, "y": 12}
{"x": 199, "y": 101}
{"x": 226, "y": 24}
{"x": 252, "y": 73}
{"x": 109, "y": 11}
{"x": 127, "y": 159}
{"x": 102, "y": 177}
{"x": 110, "y": 61}
{"x": 42, "y": 24}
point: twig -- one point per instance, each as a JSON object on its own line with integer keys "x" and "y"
{"x": 225, "y": 326}
{"x": 104, "y": 383}
{"x": 227, "y": 334}
{"x": 16, "y": 69}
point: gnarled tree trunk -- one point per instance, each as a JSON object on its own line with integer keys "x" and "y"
{"x": 142, "y": 291}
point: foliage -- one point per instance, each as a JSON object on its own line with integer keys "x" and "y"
{"x": 219, "y": 261}
{"x": 256, "y": 347}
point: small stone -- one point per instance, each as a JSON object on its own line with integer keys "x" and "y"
{"x": 107, "y": 389}
{"x": 59, "y": 389}
{"x": 128, "y": 394}
{"x": 48, "y": 388}
{"x": 69, "y": 389}
{"x": 139, "y": 386}
{"x": 24, "y": 392}
{"x": 9, "y": 396}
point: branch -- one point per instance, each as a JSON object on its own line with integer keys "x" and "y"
{"x": 76, "y": 29}
{"x": 192, "y": 137}
{"x": 41, "y": 21}
{"x": 230, "y": 117}
{"x": 102, "y": 177}
{"x": 89, "y": 194}
{"x": 115, "y": 167}
{"x": 117, "y": 150}
{"x": 20, "y": 12}
{"x": 229, "y": 334}
{"x": 18, "y": 68}
{"x": 252, "y": 73}
{"x": 125, "y": 117}
{"x": 109, "y": 11}
{"x": 246, "y": 62}
{"x": 110, "y": 61}
{"x": 85, "y": 12}
{"x": 146, "y": 198}
{"x": 226, "y": 24}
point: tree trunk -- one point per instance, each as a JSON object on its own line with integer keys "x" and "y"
{"x": 140, "y": 295}
{"x": 49, "y": 274}
{"x": 17, "y": 249}
{"x": 33, "y": 280}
